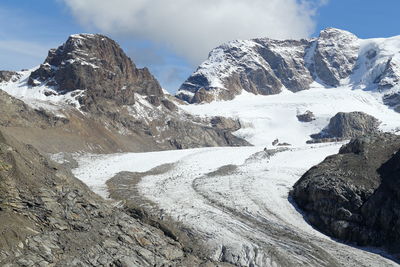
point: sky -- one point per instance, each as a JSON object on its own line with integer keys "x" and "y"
{"x": 172, "y": 37}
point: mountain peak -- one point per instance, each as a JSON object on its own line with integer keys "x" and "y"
{"x": 330, "y": 31}
{"x": 266, "y": 66}
{"x": 94, "y": 63}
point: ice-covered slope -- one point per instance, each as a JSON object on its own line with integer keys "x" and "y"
{"x": 265, "y": 66}
{"x": 266, "y": 118}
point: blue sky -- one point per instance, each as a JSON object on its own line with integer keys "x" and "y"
{"x": 30, "y": 28}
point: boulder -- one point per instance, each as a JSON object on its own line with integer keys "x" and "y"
{"x": 347, "y": 125}
{"x": 307, "y": 116}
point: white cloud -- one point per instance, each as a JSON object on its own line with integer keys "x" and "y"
{"x": 193, "y": 27}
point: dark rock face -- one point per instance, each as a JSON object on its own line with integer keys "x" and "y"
{"x": 49, "y": 218}
{"x": 6, "y": 76}
{"x": 354, "y": 195}
{"x": 96, "y": 64}
{"x": 307, "y": 116}
{"x": 347, "y": 125}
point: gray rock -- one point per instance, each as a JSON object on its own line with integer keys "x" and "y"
{"x": 353, "y": 195}
{"x": 49, "y": 218}
{"x": 225, "y": 123}
{"x": 6, "y": 76}
{"x": 265, "y": 72}
{"x": 96, "y": 64}
{"x": 307, "y": 116}
{"x": 346, "y": 125}
{"x": 264, "y": 66}
{"x": 335, "y": 55}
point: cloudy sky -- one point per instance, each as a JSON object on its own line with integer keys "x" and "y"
{"x": 172, "y": 37}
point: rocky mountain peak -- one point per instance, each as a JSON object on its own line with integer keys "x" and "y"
{"x": 335, "y": 55}
{"x": 94, "y": 63}
{"x": 265, "y": 66}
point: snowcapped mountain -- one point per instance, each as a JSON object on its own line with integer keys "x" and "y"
{"x": 264, "y": 66}
{"x": 107, "y": 104}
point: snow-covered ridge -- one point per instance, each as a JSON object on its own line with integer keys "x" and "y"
{"x": 266, "y": 66}
{"x": 40, "y": 96}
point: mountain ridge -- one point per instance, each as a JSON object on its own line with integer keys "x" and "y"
{"x": 109, "y": 105}
{"x": 266, "y": 66}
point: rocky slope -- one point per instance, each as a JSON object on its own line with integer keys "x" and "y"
{"x": 353, "y": 196}
{"x": 104, "y": 102}
{"x": 49, "y": 218}
{"x": 264, "y": 66}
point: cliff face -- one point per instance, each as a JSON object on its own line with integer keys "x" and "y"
{"x": 264, "y": 66}
{"x": 96, "y": 64}
{"x": 353, "y": 195}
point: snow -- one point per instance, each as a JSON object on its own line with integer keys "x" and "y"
{"x": 265, "y": 118}
{"x": 368, "y": 73}
{"x": 35, "y": 96}
{"x": 95, "y": 170}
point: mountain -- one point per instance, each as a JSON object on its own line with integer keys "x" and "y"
{"x": 104, "y": 103}
{"x": 266, "y": 67}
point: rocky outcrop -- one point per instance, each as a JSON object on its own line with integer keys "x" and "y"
{"x": 225, "y": 123}
{"x": 265, "y": 66}
{"x": 6, "y": 76}
{"x": 49, "y": 218}
{"x": 96, "y": 64}
{"x": 307, "y": 116}
{"x": 15, "y": 113}
{"x": 347, "y": 125}
{"x": 353, "y": 195}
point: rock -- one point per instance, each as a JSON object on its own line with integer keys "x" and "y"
{"x": 353, "y": 195}
{"x": 346, "y": 125}
{"x": 264, "y": 66}
{"x": 256, "y": 66}
{"x": 390, "y": 76}
{"x": 48, "y": 217}
{"x": 6, "y": 76}
{"x": 335, "y": 55}
{"x": 308, "y": 116}
{"x": 15, "y": 113}
{"x": 225, "y": 123}
{"x": 96, "y": 64}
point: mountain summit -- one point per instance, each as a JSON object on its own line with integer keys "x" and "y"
{"x": 265, "y": 66}
{"x": 97, "y": 64}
